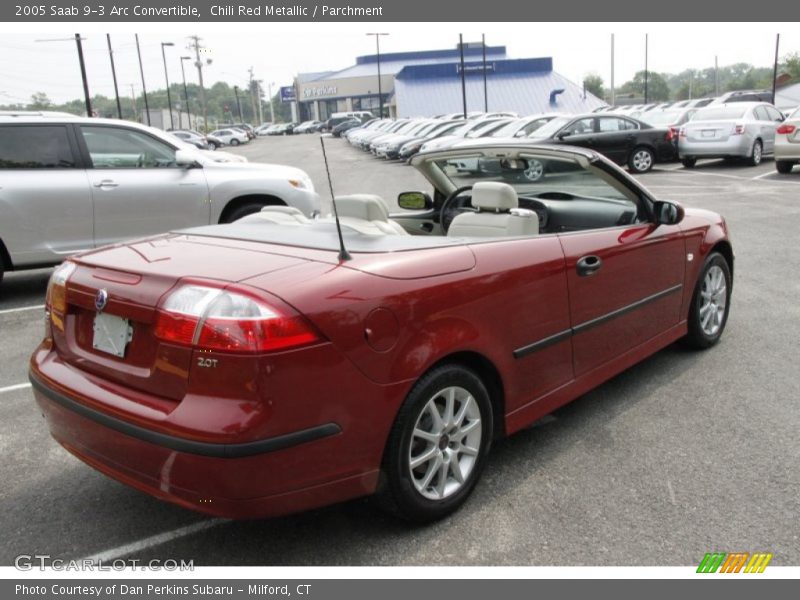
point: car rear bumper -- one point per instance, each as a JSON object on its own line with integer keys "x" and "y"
{"x": 288, "y": 472}
{"x": 739, "y": 145}
{"x": 785, "y": 150}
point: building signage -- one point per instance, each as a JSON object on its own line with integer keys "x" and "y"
{"x": 287, "y": 94}
{"x": 475, "y": 68}
{"x": 316, "y": 92}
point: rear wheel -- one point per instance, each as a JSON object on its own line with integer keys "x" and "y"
{"x": 641, "y": 160}
{"x": 784, "y": 166}
{"x": 438, "y": 445}
{"x": 708, "y": 313}
{"x": 689, "y": 163}
{"x": 755, "y": 154}
{"x": 234, "y": 142}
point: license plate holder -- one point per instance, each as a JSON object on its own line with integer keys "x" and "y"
{"x": 111, "y": 334}
{"x": 709, "y": 133}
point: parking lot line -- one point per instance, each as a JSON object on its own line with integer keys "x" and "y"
{"x": 154, "y": 540}
{"x": 11, "y": 388}
{"x": 21, "y": 308}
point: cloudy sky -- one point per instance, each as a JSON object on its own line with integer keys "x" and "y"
{"x": 277, "y": 53}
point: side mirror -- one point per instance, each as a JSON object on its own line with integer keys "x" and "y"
{"x": 668, "y": 213}
{"x": 414, "y": 201}
{"x": 185, "y": 158}
{"x": 564, "y": 134}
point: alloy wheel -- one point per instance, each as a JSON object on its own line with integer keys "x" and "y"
{"x": 445, "y": 443}
{"x": 714, "y": 298}
{"x": 642, "y": 161}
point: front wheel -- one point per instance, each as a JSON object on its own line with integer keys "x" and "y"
{"x": 708, "y": 313}
{"x": 755, "y": 154}
{"x": 438, "y": 445}
{"x": 784, "y": 166}
{"x": 234, "y": 142}
{"x": 641, "y": 160}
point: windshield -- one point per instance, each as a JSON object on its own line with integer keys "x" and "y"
{"x": 714, "y": 113}
{"x": 550, "y": 127}
{"x": 486, "y": 129}
{"x": 536, "y": 175}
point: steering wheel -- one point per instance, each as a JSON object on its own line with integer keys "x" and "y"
{"x": 446, "y": 214}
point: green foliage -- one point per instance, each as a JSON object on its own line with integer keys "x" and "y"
{"x": 593, "y": 84}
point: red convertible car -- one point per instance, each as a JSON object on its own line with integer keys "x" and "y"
{"x": 254, "y": 369}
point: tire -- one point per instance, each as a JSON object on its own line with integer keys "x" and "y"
{"x": 705, "y": 331}
{"x": 245, "y": 209}
{"x": 756, "y": 154}
{"x": 213, "y": 146}
{"x": 433, "y": 488}
{"x": 689, "y": 163}
{"x": 784, "y": 166}
{"x": 534, "y": 172}
{"x": 641, "y": 160}
{"x": 234, "y": 142}
{"x": 2, "y": 270}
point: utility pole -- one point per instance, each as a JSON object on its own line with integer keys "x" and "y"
{"x": 378, "y": 57}
{"x": 716, "y": 76}
{"x": 613, "y": 95}
{"x": 463, "y": 74}
{"x": 271, "y": 109}
{"x": 114, "y": 75}
{"x": 166, "y": 78}
{"x": 144, "y": 88}
{"x": 199, "y": 64}
{"x": 485, "y": 93}
{"x": 186, "y": 91}
{"x": 645, "y": 68}
{"x": 133, "y": 101}
{"x": 775, "y": 68}
{"x": 253, "y": 89}
{"x": 78, "y": 40}
{"x": 238, "y": 104}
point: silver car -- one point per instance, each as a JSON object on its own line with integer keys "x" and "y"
{"x": 70, "y": 183}
{"x": 736, "y": 130}
{"x": 787, "y": 143}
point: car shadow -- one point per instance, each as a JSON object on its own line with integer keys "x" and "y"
{"x": 23, "y": 288}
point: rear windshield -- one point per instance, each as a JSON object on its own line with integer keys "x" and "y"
{"x": 663, "y": 117}
{"x": 713, "y": 113}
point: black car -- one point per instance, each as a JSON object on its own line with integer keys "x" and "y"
{"x": 624, "y": 140}
{"x": 339, "y": 129}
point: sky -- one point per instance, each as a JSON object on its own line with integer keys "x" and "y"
{"x": 277, "y": 53}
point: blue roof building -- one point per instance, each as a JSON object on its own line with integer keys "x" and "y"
{"x": 429, "y": 83}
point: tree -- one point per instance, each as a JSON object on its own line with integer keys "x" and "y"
{"x": 593, "y": 84}
{"x": 657, "y": 88}
{"x": 39, "y": 101}
{"x": 791, "y": 66}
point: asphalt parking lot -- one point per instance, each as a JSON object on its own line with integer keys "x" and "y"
{"x": 683, "y": 454}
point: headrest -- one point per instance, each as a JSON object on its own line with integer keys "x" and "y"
{"x": 369, "y": 207}
{"x": 494, "y": 195}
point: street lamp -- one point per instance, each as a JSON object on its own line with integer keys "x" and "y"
{"x": 380, "y": 93}
{"x": 166, "y": 76}
{"x": 186, "y": 91}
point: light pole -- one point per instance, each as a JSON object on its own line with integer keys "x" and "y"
{"x": 186, "y": 91}
{"x": 380, "y": 92}
{"x": 144, "y": 87}
{"x": 271, "y": 109}
{"x": 238, "y": 103}
{"x": 166, "y": 77}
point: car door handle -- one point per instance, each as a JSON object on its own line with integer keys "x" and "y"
{"x": 588, "y": 265}
{"x": 106, "y": 183}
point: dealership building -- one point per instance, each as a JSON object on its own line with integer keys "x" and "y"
{"x": 429, "y": 83}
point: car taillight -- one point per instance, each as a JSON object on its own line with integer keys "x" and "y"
{"x": 672, "y": 133}
{"x": 738, "y": 130}
{"x": 785, "y": 129}
{"x": 211, "y": 318}
{"x": 56, "y": 297}
{"x": 682, "y": 132}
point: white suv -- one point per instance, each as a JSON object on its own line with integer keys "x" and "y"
{"x": 71, "y": 183}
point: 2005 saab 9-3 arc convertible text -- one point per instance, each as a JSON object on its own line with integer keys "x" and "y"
{"x": 253, "y": 369}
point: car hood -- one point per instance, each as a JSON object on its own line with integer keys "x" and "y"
{"x": 251, "y": 168}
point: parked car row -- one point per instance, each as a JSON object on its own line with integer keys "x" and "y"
{"x": 625, "y": 140}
